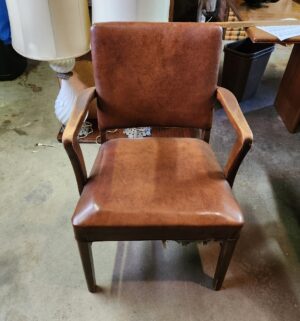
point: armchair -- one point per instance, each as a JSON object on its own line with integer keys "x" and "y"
{"x": 155, "y": 74}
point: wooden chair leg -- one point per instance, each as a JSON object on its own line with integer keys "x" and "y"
{"x": 85, "y": 250}
{"x": 227, "y": 248}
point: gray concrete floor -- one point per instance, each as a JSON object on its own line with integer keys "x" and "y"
{"x": 40, "y": 271}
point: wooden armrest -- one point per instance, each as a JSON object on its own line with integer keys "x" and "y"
{"x": 70, "y": 134}
{"x": 244, "y": 134}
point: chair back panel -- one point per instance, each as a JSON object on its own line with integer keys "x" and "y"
{"x": 155, "y": 74}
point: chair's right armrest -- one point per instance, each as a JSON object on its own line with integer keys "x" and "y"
{"x": 71, "y": 132}
{"x": 244, "y": 134}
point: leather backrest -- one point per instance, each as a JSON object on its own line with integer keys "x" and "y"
{"x": 155, "y": 74}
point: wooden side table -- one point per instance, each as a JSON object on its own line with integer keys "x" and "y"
{"x": 287, "y": 102}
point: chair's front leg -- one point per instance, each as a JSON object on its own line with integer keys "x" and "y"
{"x": 85, "y": 250}
{"x": 227, "y": 248}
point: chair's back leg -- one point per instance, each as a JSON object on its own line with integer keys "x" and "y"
{"x": 227, "y": 248}
{"x": 102, "y": 138}
{"x": 85, "y": 250}
{"x": 205, "y": 135}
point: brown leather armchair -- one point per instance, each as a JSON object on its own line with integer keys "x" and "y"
{"x": 156, "y": 74}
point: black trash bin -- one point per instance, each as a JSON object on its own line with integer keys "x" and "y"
{"x": 244, "y": 66}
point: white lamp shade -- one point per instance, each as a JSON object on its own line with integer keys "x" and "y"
{"x": 131, "y": 10}
{"x": 49, "y": 29}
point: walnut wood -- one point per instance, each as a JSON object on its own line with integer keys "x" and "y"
{"x": 70, "y": 134}
{"x": 205, "y": 135}
{"x": 271, "y": 11}
{"x": 282, "y": 9}
{"x": 288, "y": 97}
{"x": 257, "y": 35}
{"x": 255, "y": 23}
{"x": 244, "y": 134}
{"x": 171, "y": 12}
{"x": 223, "y": 12}
{"x": 227, "y": 249}
{"x": 86, "y": 255}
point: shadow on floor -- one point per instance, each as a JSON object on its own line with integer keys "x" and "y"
{"x": 150, "y": 261}
{"x": 146, "y": 268}
{"x": 287, "y": 197}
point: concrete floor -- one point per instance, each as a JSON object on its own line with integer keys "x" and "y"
{"x": 40, "y": 272}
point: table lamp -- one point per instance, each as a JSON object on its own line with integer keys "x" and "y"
{"x": 56, "y": 31}
{"x": 131, "y": 10}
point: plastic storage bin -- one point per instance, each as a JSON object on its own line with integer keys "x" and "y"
{"x": 244, "y": 66}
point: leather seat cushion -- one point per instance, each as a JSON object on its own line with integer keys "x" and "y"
{"x": 153, "y": 188}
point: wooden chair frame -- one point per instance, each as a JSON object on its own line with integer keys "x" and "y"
{"x": 239, "y": 150}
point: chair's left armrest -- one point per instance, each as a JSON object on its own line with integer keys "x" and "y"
{"x": 71, "y": 131}
{"x": 244, "y": 134}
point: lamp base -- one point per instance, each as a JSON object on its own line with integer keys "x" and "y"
{"x": 70, "y": 88}
{"x": 65, "y": 101}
